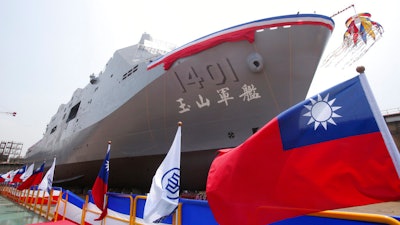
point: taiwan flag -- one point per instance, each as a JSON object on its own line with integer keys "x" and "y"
{"x": 28, "y": 172}
{"x": 5, "y": 177}
{"x": 331, "y": 151}
{"x": 100, "y": 185}
{"x": 17, "y": 176}
{"x": 34, "y": 179}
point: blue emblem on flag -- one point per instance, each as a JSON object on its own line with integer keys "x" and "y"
{"x": 170, "y": 183}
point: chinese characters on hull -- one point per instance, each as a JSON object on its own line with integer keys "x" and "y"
{"x": 249, "y": 94}
{"x": 217, "y": 74}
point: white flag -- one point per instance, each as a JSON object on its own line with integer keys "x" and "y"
{"x": 28, "y": 173}
{"x": 164, "y": 192}
{"x": 47, "y": 181}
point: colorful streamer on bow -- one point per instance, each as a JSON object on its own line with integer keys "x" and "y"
{"x": 361, "y": 28}
{"x": 361, "y": 34}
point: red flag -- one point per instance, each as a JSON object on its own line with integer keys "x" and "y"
{"x": 100, "y": 185}
{"x": 34, "y": 179}
{"x": 331, "y": 151}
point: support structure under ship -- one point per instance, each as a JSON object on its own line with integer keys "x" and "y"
{"x": 223, "y": 87}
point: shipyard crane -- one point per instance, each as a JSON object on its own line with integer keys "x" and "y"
{"x": 10, "y": 113}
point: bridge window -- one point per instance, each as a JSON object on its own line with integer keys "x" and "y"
{"x": 54, "y": 129}
{"x": 73, "y": 112}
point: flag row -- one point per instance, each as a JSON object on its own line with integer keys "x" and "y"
{"x": 27, "y": 177}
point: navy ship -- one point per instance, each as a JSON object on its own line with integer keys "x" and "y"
{"x": 222, "y": 86}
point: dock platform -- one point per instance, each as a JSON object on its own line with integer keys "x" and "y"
{"x": 13, "y": 213}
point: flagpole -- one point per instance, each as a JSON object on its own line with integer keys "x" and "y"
{"x": 162, "y": 202}
{"x": 387, "y": 137}
{"x": 105, "y": 199}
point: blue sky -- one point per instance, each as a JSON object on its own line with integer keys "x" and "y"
{"x": 48, "y": 48}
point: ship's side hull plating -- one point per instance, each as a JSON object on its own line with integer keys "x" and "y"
{"x": 222, "y": 95}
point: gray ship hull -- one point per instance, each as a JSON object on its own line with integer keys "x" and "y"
{"x": 222, "y": 94}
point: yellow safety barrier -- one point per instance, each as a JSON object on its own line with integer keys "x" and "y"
{"x": 85, "y": 210}
{"x": 366, "y": 217}
{"x": 135, "y": 208}
{"x": 176, "y": 218}
{"x": 178, "y": 215}
{"x": 59, "y": 202}
{"x": 47, "y": 201}
{"x": 35, "y": 201}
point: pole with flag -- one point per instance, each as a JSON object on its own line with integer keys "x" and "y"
{"x": 11, "y": 176}
{"x": 163, "y": 197}
{"x": 34, "y": 179}
{"x": 17, "y": 176}
{"x": 3, "y": 177}
{"x": 331, "y": 151}
{"x": 28, "y": 172}
{"x": 100, "y": 186}
{"x": 47, "y": 182}
{"x": 6, "y": 177}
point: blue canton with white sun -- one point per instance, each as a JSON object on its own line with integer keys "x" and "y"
{"x": 322, "y": 112}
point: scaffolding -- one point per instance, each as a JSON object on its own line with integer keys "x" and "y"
{"x": 10, "y": 149}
